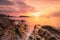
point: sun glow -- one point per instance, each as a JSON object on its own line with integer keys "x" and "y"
{"x": 35, "y": 14}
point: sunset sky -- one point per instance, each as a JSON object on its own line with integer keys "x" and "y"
{"x": 46, "y": 8}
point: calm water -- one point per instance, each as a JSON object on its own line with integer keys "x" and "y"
{"x": 55, "y": 22}
{"x": 31, "y": 21}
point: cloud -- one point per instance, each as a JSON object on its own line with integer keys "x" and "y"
{"x": 14, "y": 6}
{"x": 56, "y": 14}
{"x": 47, "y": 0}
{"x": 6, "y": 2}
{"x": 23, "y": 6}
{"x": 8, "y": 9}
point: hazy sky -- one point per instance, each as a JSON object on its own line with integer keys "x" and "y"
{"x": 14, "y": 7}
{"x": 46, "y": 6}
{"x": 50, "y": 8}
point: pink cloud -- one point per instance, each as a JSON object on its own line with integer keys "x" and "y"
{"x": 14, "y": 6}
{"x": 56, "y": 14}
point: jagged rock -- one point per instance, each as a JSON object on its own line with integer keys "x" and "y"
{"x": 7, "y": 29}
{"x": 9, "y": 35}
{"x": 45, "y": 33}
{"x": 10, "y": 31}
{"x": 49, "y": 33}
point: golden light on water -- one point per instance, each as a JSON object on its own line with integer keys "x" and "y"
{"x": 34, "y": 17}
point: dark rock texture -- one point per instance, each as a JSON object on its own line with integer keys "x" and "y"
{"x": 47, "y": 33}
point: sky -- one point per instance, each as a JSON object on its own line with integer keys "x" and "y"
{"x": 14, "y": 7}
{"x": 49, "y": 8}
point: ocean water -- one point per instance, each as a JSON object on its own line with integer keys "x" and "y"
{"x": 31, "y": 21}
